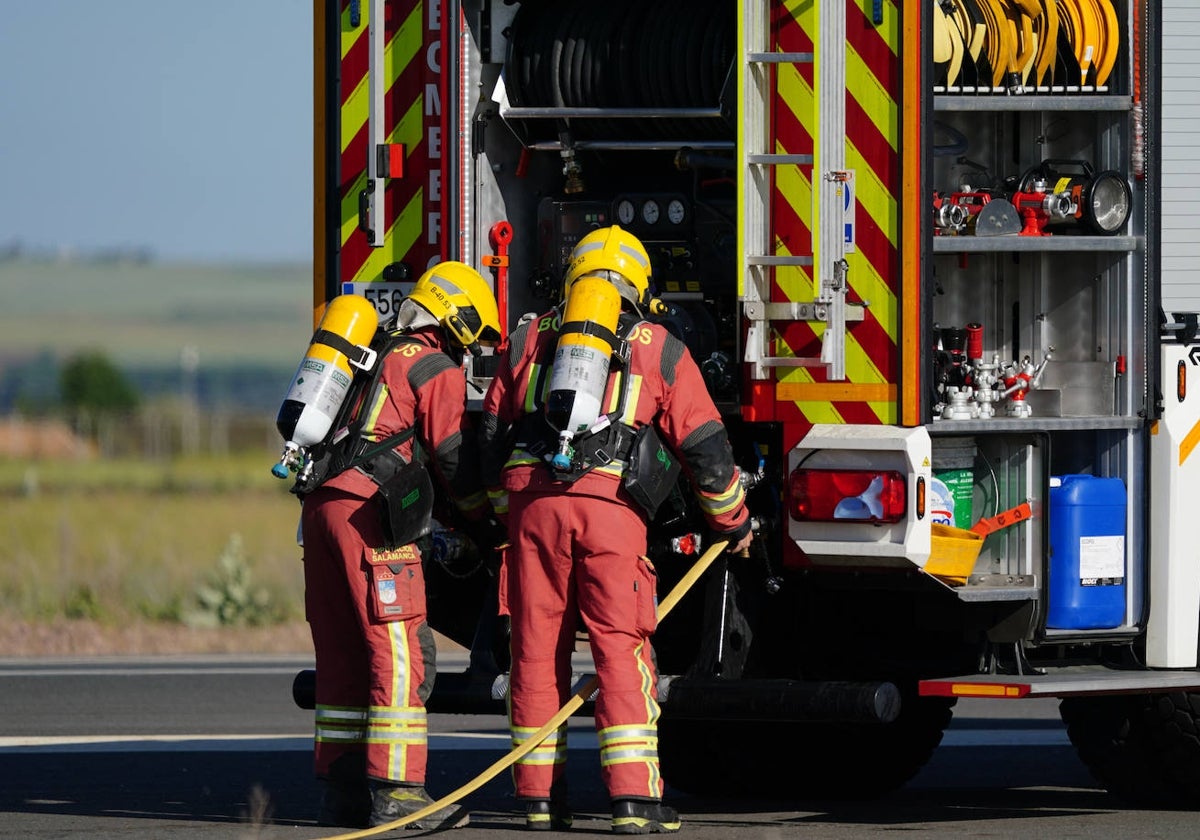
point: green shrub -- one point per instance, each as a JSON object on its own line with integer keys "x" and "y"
{"x": 231, "y": 598}
{"x": 82, "y": 602}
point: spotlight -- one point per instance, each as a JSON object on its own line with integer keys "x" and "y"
{"x": 1071, "y": 192}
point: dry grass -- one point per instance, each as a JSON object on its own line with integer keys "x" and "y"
{"x": 107, "y": 557}
{"x": 104, "y": 558}
{"x": 118, "y": 556}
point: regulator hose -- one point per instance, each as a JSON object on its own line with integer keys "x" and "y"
{"x": 581, "y": 694}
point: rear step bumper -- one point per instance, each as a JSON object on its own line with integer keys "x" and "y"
{"x": 1062, "y": 682}
{"x": 775, "y": 700}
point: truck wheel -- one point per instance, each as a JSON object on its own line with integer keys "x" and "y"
{"x": 801, "y": 761}
{"x": 1144, "y": 749}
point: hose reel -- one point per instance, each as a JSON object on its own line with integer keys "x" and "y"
{"x": 619, "y": 55}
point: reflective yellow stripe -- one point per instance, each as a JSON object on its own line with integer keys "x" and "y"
{"x": 401, "y": 236}
{"x": 499, "y": 500}
{"x": 398, "y": 53}
{"x": 834, "y": 391}
{"x": 373, "y": 411}
{"x": 405, "y": 715}
{"x": 552, "y": 750}
{"x": 1189, "y": 443}
{"x": 530, "y": 397}
{"x": 471, "y": 502}
{"x": 397, "y": 763}
{"x": 714, "y": 505}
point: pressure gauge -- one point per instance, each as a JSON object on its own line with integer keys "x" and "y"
{"x": 650, "y": 212}
{"x": 625, "y": 211}
{"x": 676, "y": 212}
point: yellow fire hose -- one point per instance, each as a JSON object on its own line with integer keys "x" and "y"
{"x": 581, "y": 693}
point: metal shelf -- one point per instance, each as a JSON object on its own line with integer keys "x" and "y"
{"x": 1039, "y": 244}
{"x": 1032, "y": 102}
{"x": 1035, "y": 424}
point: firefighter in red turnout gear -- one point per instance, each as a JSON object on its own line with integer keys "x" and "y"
{"x": 579, "y": 538}
{"x": 364, "y": 585}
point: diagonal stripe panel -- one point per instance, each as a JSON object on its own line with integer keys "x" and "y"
{"x": 409, "y": 35}
{"x": 872, "y": 152}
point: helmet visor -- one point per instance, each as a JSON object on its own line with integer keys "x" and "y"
{"x": 485, "y": 335}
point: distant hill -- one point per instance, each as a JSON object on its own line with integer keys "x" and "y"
{"x": 233, "y": 335}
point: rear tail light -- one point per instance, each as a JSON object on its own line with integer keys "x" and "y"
{"x": 848, "y": 495}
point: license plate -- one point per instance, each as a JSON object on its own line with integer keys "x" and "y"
{"x": 384, "y": 295}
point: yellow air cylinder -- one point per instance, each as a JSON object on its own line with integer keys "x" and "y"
{"x": 323, "y": 379}
{"x": 581, "y": 359}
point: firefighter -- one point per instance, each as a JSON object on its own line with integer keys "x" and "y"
{"x": 364, "y": 586}
{"x": 579, "y": 538}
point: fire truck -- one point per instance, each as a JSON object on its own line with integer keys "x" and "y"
{"x": 920, "y": 252}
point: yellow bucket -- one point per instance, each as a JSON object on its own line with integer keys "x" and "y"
{"x": 953, "y": 553}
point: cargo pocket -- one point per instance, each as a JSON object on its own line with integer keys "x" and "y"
{"x": 645, "y": 585}
{"x": 396, "y": 584}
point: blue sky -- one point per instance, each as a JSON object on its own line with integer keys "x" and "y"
{"x": 179, "y": 126}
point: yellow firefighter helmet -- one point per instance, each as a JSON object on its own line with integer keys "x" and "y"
{"x": 611, "y": 249}
{"x": 462, "y": 301}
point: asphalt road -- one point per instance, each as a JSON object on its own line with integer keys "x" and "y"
{"x": 215, "y": 748}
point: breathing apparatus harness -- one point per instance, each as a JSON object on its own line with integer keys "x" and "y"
{"x": 651, "y": 469}
{"x": 405, "y": 491}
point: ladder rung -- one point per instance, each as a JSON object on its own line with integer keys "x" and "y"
{"x": 792, "y": 361}
{"x": 760, "y": 259}
{"x": 780, "y": 57}
{"x": 779, "y": 160}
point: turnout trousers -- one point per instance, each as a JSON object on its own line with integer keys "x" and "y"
{"x": 579, "y": 557}
{"x": 374, "y": 650}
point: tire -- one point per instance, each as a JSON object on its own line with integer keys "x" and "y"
{"x": 801, "y": 761}
{"x": 1144, "y": 749}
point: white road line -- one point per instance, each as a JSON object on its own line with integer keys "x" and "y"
{"x": 490, "y": 741}
{"x": 157, "y": 671}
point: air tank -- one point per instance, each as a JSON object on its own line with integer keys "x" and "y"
{"x": 323, "y": 378}
{"x": 580, "y": 372}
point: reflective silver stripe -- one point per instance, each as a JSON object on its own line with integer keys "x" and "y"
{"x": 610, "y": 757}
{"x": 635, "y": 732}
{"x": 396, "y": 736}
{"x": 386, "y": 713}
{"x": 446, "y": 285}
{"x": 341, "y": 713}
{"x": 627, "y": 250}
{"x": 324, "y": 735}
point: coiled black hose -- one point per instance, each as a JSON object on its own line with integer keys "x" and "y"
{"x": 659, "y": 54}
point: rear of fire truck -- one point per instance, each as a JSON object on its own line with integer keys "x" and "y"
{"x": 915, "y": 249}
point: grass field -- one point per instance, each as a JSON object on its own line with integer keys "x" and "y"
{"x": 97, "y": 548}
{"x": 143, "y": 315}
{"x": 106, "y": 545}
{"x": 116, "y": 542}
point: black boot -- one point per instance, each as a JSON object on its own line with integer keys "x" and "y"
{"x": 553, "y": 814}
{"x": 643, "y": 816}
{"x": 346, "y": 797}
{"x": 391, "y": 802}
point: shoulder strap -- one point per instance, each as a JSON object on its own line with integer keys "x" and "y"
{"x": 359, "y": 356}
{"x": 388, "y": 443}
{"x": 344, "y": 447}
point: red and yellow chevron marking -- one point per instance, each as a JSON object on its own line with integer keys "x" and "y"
{"x": 802, "y": 396}
{"x": 409, "y": 39}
